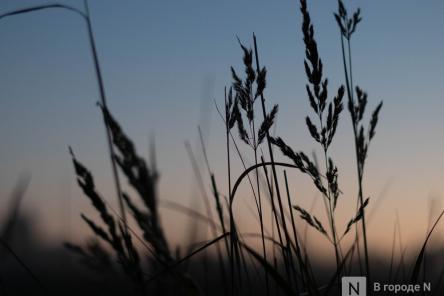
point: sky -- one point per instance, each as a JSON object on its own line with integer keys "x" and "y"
{"x": 165, "y": 64}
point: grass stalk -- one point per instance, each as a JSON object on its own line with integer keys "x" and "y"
{"x": 234, "y": 259}
{"x": 205, "y": 197}
{"x": 295, "y": 237}
{"x": 349, "y": 82}
{"x": 275, "y": 214}
{"x": 103, "y": 101}
{"x": 260, "y": 212}
{"x": 28, "y": 270}
{"x": 86, "y": 16}
{"x": 270, "y": 151}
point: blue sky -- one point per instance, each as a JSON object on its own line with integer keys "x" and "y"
{"x": 165, "y": 62}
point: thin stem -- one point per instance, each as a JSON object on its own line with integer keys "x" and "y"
{"x": 231, "y": 253}
{"x": 253, "y": 167}
{"x": 87, "y": 19}
{"x": 238, "y": 152}
{"x": 103, "y": 102}
{"x": 330, "y": 201}
{"x": 214, "y": 187}
{"x": 261, "y": 220}
{"x": 42, "y": 7}
{"x": 350, "y": 68}
{"x": 270, "y": 151}
{"x": 274, "y": 213}
{"x": 259, "y": 205}
{"x": 22, "y": 264}
{"x": 331, "y": 216}
{"x": 293, "y": 224}
{"x": 345, "y": 70}
{"x": 205, "y": 197}
{"x": 349, "y": 82}
{"x": 178, "y": 262}
{"x": 361, "y": 195}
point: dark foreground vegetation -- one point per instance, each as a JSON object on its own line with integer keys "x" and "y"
{"x": 129, "y": 254}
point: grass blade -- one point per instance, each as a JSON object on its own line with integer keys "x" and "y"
{"x": 271, "y": 270}
{"x": 420, "y": 257}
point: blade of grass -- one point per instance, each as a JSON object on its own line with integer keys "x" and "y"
{"x": 282, "y": 283}
{"x": 270, "y": 152}
{"x": 420, "y": 256}
{"x": 12, "y": 214}
{"x": 86, "y": 16}
{"x": 170, "y": 267}
{"x": 23, "y": 265}
{"x": 103, "y": 101}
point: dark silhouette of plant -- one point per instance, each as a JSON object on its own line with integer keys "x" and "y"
{"x": 323, "y": 134}
{"x": 114, "y": 234}
{"x": 356, "y": 107}
{"x": 247, "y": 91}
{"x": 86, "y": 17}
{"x": 143, "y": 179}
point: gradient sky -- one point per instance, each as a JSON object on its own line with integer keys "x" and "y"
{"x": 164, "y": 62}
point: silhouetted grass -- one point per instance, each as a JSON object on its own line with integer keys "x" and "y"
{"x": 283, "y": 264}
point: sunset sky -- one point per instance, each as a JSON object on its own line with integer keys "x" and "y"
{"x": 165, "y": 63}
